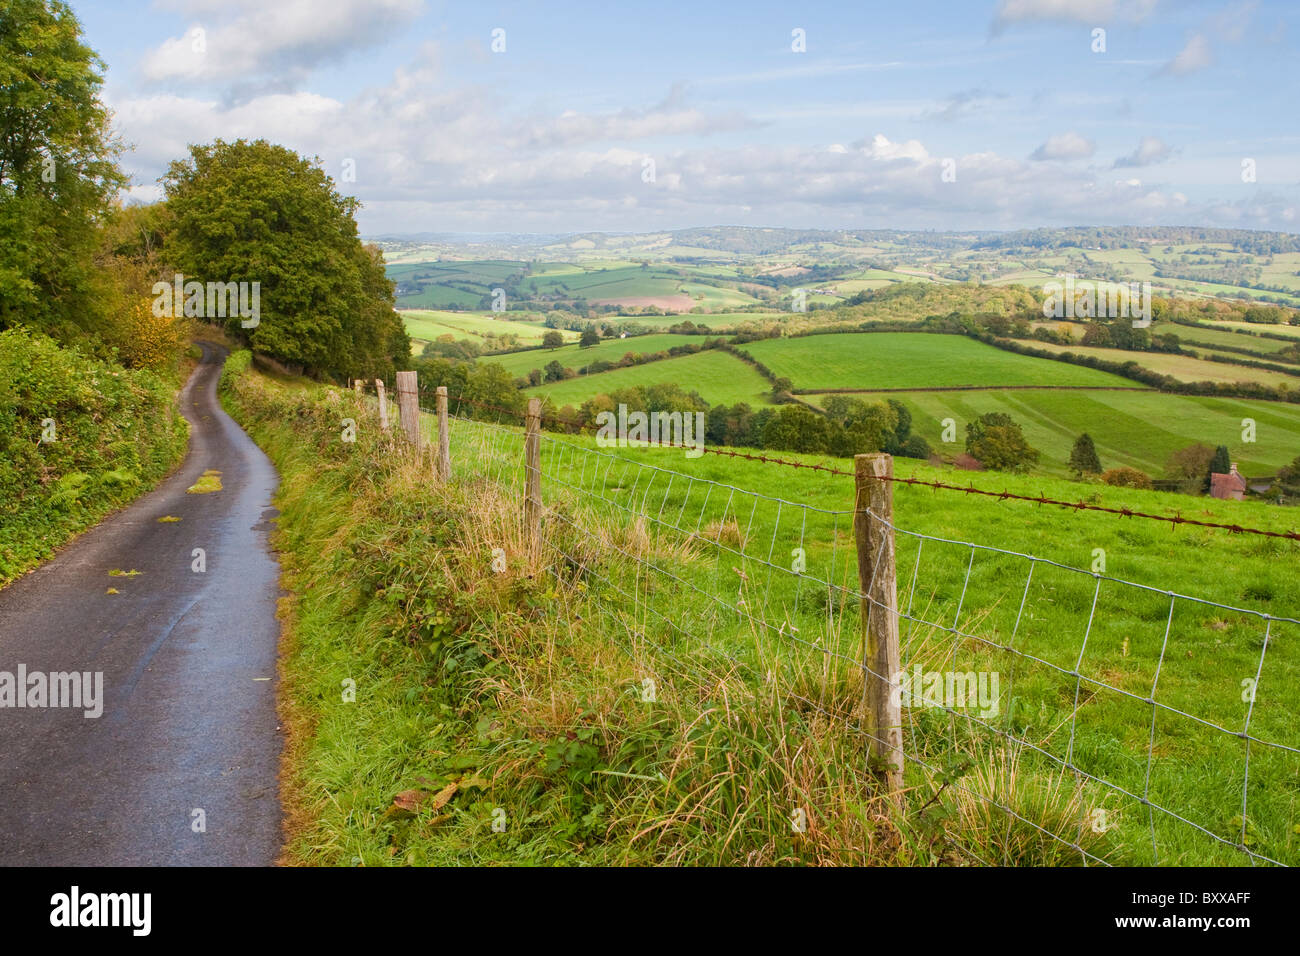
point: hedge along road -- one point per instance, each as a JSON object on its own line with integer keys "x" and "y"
{"x": 182, "y": 765}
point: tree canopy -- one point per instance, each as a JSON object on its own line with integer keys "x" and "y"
{"x": 996, "y": 441}
{"x": 257, "y": 212}
{"x": 1083, "y": 457}
{"x": 58, "y": 172}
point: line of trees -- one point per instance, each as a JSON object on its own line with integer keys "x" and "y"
{"x": 849, "y": 427}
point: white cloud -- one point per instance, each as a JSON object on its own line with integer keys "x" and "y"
{"x": 277, "y": 42}
{"x": 1069, "y": 145}
{"x": 1150, "y": 150}
{"x": 882, "y": 149}
{"x": 1194, "y": 56}
{"x": 159, "y": 128}
{"x": 668, "y": 118}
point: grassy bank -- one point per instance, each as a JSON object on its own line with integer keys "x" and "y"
{"x": 487, "y": 697}
{"x": 78, "y": 438}
{"x": 625, "y": 695}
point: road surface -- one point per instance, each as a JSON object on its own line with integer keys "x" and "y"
{"x": 181, "y": 767}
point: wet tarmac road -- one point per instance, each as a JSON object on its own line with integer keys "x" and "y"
{"x": 181, "y": 767}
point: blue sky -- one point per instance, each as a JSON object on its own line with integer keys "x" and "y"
{"x": 979, "y": 114}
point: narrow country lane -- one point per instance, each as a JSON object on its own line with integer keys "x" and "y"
{"x": 188, "y": 739}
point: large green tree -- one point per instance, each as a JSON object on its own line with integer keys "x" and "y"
{"x": 58, "y": 171}
{"x": 1083, "y": 457}
{"x": 795, "y": 428}
{"x": 996, "y": 441}
{"x": 257, "y": 212}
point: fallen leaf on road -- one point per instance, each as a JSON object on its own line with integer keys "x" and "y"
{"x": 208, "y": 482}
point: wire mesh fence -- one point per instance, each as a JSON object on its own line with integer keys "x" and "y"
{"x": 1063, "y": 708}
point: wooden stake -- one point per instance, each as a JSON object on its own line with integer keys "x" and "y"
{"x": 408, "y": 407}
{"x": 533, "y": 474}
{"x": 443, "y": 460}
{"x": 383, "y": 404}
{"x": 877, "y": 577}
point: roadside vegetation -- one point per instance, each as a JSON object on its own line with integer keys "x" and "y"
{"x": 79, "y": 437}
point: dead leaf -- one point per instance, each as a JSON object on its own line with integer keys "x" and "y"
{"x": 445, "y": 794}
{"x": 411, "y": 802}
{"x": 407, "y": 803}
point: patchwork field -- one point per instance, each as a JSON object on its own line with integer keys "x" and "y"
{"x": 428, "y": 325}
{"x": 910, "y": 360}
{"x": 450, "y": 284}
{"x": 1181, "y": 367}
{"x": 1054, "y": 402}
{"x": 1140, "y": 429}
{"x": 1291, "y": 331}
{"x": 717, "y": 376}
{"x": 577, "y": 357}
{"x": 470, "y": 284}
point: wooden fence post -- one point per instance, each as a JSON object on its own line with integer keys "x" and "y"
{"x": 383, "y": 404}
{"x": 533, "y": 474}
{"x": 443, "y": 461}
{"x": 873, "y": 532}
{"x": 408, "y": 407}
{"x": 356, "y": 385}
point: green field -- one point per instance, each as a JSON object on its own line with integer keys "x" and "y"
{"x": 466, "y": 284}
{"x": 1210, "y": 337}
{"x": 450, "y": 284}
{"x": 721, "y": 320}
{"x": 652, "y": 564}
{"x": 1182, "y": 367}
{"x": 1140, "y": 429}
{"x": 911, "y": 360}
{"x": 718, "y": 377}
{"x": 600, "y": 284}
{"x": 428, "y": 325}
{"x": 1291, "y": 331}
{"x": 631, "y": 284}
{"x": 577, "y": 357}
